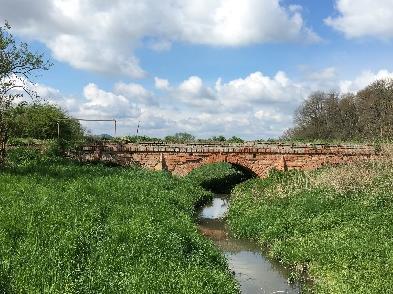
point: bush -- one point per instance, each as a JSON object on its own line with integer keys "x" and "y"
{"x": 40, "y": 121}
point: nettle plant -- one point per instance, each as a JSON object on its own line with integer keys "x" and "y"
{"x": 18, "y": 66}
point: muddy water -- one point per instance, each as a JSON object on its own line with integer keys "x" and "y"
{"x": 254, "y": 272}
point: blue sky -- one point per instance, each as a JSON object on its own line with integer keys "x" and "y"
{"x": 208, "y": 67}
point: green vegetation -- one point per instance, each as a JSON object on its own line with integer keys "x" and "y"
{"x": 18, "y": 65}
{"x": 222, "y": 139}
{"x": 180, "y": 138}
{"x": 364, "y": 116}
{"x": 335, "y": 224}
{"x": 138, "y": 139}
{"x": 69, "y": 228}
{"x": 40, "y": 121}
{"x": 218, "y": 177}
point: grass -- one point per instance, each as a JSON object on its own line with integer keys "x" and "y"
{"x": 334, "y": 224}
{"x": 70, "y": 228}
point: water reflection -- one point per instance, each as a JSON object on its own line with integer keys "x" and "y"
{"x": 216, "y": 209}
{"x": 254, "y": 272}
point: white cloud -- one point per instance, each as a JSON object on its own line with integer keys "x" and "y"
{"x": 102, "y": 104}
{"x": 252, "y": 107}
{"x": 363, "y": 18}
{"x": 161, "y": 84}
{"x": 363, "y": 80}
{"x": 322, "y": 75}
{"x": 255, "y": 106}
{"x": 134, "y": 92}
{"x": 193, "y": 85}
{"x": 259, "y": 89}
{"x": 270, "y": 114}
{"x": 192, "y": 93}
{"x": 101, "y": 36}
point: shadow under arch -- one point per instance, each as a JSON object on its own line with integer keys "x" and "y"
{"x": 242, "y": 166}
{"x": 221, "y": 176}
{"x": 248, "y": 172}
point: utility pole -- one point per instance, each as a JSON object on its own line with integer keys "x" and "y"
{"x": 137, "y": 129}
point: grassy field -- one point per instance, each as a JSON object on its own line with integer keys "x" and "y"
{"x": 68, "y": 228}
{"x": 335, "y": 224}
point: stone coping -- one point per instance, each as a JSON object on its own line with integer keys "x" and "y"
{"x": 253, "y": 147}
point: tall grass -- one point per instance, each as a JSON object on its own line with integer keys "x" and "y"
{"x": 68, "y": 228}
{"x": 335, "y": 224}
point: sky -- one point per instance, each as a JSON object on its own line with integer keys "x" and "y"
{"x": 206, "y": 67}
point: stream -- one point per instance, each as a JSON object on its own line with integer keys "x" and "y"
{"x": 254, "y": 272}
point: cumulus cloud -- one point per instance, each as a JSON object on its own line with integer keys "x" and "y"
{"x": 257, "y": 89}
{"x": 96, "y": 103}
{"x": 161, "y": 84}
{"x": 270, "y": 114}
{"x": 102, "y": 36}
{"x": 193, "y": 91}
{"x": 363, "y": 18}
{"x": 254, "y": 106}
{"x": 363, "y": 80}
{"x": 135, "y": 92}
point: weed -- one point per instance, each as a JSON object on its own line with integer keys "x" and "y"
{"x": 336, "y": 222}
{"x": 71, "y": 228}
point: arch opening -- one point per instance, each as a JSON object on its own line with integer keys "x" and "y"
{"x": 222, "y": 176}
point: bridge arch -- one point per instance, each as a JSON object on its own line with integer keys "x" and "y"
{"x": 248, "y": 169}
{"x": 238, "y": 162}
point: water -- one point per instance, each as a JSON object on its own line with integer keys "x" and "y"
{"x": 253, "y": 270}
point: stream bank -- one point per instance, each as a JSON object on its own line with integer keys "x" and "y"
{"x": 254, "y": 272}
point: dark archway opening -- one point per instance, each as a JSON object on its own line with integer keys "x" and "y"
{"x": 221, "y": 177}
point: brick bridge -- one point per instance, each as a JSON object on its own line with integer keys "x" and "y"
{"x": 258, "y": 158}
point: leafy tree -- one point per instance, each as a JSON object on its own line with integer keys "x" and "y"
{"x": 310, "y": 118}
{"x": 235, "y": 139}
{"x": 217, "y": 139}
{"x": 375, "y": 105}
{"x": 138, "y": 139}
{"x": 349, "y": 117}
{"x": 180, "y": 138}
{"x": 17, "y": 66}
{"x": 41, "y": 121}
{"x": 368, "y": 115}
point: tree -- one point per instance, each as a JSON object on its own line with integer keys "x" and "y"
{"x": 17, "y": 67}
{"x": 375, "y": 104}
{"x": 40, "y": 121}
{"x": 349, "y": 125}
{"x": 319, "y": 117}
{"x": 180, "y": 138}
{"x": 368, "y": 115}
{"x": 219, "y": 138}
{"x": 310, "y": 117}
{"x": 235, "y": 139}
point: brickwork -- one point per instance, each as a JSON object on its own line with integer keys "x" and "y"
{"x": 259, "y": 158}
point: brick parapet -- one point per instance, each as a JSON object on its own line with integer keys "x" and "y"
{"x": 236, "y": 148}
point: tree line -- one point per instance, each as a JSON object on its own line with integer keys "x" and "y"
{"x": 364, "y": 116}
{"x": 180, "y": 138}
